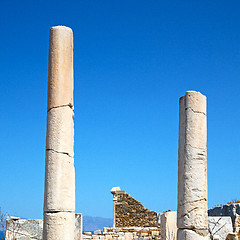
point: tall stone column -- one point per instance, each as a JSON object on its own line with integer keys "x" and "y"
{"x": 59, "y": 195}
{"x": 192, "y": 218}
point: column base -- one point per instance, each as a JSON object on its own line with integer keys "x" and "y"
{"x": 187, "y": 234}
{"x": 59, "y": 226}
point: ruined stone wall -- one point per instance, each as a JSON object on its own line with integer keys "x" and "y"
{"x": 129, "y": 233}
{"x": 128, "y": 212}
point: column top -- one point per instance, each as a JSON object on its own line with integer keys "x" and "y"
{"x": 60, "y": 27}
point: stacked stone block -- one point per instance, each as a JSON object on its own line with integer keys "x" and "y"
{"x": 128, "y": 212}
{"x": 126, "y": 233}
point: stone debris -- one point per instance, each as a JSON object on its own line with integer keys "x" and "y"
{"x": 232, "y": 210}
{"x": 25, "y": 229}
{"x": 220, "y": 227}
{"x": 126, "y": 233}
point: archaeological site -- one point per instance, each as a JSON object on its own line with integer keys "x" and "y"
{"x": 131, "y": 220}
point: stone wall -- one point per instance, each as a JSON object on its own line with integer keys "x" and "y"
{"x": 128, "y": 233}
{"x": 25, "y": 229}
{"x": 128, "y": 212}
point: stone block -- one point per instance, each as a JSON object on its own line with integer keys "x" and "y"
{"x": 78, "y": 226}
{"x": 95, "y": 237}
{"x": 196, "y": 102}
{"x": 59, "y": 225}
{"x": 60, "y": 130}
{"x": 186, "y": 234}
{"x": 220, "y": 227}
{"x": 169, "y": 225}
{"x": 22, "y": 229}
{"x": 60, "y": 65}
{"x": 59, "y": 182}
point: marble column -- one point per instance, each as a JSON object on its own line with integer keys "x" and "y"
{"x": 59, "y": 195}
{"x": 192, "y": 218}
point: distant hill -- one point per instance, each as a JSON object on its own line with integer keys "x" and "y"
{"x": 91, "y": 224}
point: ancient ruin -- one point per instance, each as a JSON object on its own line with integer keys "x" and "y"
{"x": 192, "y": 219}
{"x": 128, "y": 212}
{"x": 25, "y": 229}
{"x": 59, "y": 195}
{"x": 131, "y": 220}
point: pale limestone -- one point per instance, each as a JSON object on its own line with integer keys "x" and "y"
{"x": 60, "y": 130}
{"x": 60, "y": 67}
{"x": 220, "y": 227}
{"x": 59, "y": 225}
{"x": 192, "y": 165}
{"x": 59, "y": 182}
{"x": 59, "y": 195}
{"x": 187, "y": 234}
{"x": 168, "y": 225}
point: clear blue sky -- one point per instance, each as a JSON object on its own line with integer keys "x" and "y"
{"x": 133, "y": 59}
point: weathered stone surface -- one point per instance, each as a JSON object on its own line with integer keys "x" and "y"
{"x": 128, "y": 212}
{"x": 60, "y": 67}
{"x": 78, "y": 226}
{"x": 59, "y": 182}
{"x": 60, "y": 225}
{"x": 97, "y": 232}
{"x": 159, "y": 219}
{"x": 192, "y": 162}
{"x": 169, "y": 225}
{"x": 127, "y": 233}
{"x": 232, "y": 210}
{"x": 186, "y": 234}
{"x": 115, "y": 189}
{"x": 220, "y": 227}
{"x": 23, "y": 229}
{"x": 59, "y": 195}
{"x": 60, "y": 130}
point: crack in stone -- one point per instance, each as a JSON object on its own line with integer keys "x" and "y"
{"x": 48, "y": 149}
{"x": 188, "y": 212}
{"x": 195, "y": 111}
{"x": 57, "y": 211}
{"x": 201, "y": 232}
{"x": 199, "y": 200}
{"x": 215, "y": 225}
{"x": 66, "y": 105}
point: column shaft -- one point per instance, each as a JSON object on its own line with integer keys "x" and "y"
{"x": 192, "y": 221}
{"x": 59, "y": 194}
